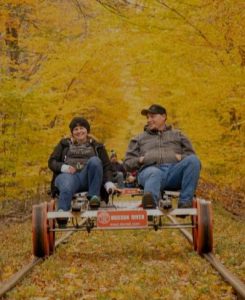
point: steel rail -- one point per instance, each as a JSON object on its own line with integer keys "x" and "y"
{"x": 12, "y": 281}
{"x": 230, "y": 278}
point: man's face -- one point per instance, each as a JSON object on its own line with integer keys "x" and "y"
{"x": 156, "y": 121}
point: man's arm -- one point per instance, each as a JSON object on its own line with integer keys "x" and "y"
{"x": 132, "y": 159}
{"x": 187, "y": 147}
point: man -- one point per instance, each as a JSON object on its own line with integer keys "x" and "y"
{"x": 165, "y": 159}
{"x": 118, "y": 170}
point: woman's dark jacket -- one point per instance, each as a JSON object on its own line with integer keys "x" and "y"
{"x": 57, "y": 159}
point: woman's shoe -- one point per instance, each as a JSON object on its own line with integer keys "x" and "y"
{"x": 94, "y": 202}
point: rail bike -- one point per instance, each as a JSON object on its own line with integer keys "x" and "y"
{"x": 121, "y": 213}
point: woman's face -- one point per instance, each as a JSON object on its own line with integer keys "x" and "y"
{"x": 80, "y": 133}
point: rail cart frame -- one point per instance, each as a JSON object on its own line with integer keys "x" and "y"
{"x": 120, "y": 215}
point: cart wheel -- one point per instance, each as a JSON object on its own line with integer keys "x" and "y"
{"x": 204, "y": 241}
{"x": 194, "y": 223}
{"x": 40, "y": 240}
{"x": 51, "y": 225}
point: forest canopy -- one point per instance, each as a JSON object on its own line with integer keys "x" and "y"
{"x": 106, "y": 60}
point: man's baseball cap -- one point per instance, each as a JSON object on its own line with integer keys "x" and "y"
{"x": 154, "y": 109}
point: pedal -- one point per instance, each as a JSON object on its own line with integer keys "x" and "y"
{"x": 76, "y": 208}
{"x": 165, "y": 204}
{"x": 78, "y": 204}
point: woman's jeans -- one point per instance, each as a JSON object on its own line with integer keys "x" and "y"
{"x": 88, "y": 179}
{"x": 181, "y": 176}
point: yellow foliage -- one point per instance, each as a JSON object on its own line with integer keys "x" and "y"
{"x": 106, "y": 62}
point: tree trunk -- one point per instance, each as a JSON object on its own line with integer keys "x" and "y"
{"x": 11, "y": 40}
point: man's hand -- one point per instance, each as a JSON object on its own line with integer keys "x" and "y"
{"x": 130, "y": 179}
{"x": 141, "y": 159}
{"x": 178, "y": 157}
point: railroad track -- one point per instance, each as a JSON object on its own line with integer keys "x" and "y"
{"x": 233, "y": 280}
{"x": 11, "y": 283}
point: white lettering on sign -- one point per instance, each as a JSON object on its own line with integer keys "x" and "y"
{"x": 137, "y": 217}
{"x": 115, "y": 218}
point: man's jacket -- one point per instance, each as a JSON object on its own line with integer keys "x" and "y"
{"x": 58, "y": 156}
{"x": 157, "y": 147}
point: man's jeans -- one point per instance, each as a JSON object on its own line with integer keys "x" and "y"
{"x": 88, "y": 179}
{"x": 181, "y": 176}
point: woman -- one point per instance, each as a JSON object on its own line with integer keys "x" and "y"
{"x": 80, "y": 163}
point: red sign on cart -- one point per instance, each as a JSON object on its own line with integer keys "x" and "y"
{"x": 122, "y": 219}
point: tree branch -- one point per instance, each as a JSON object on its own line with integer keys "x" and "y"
{"x": 70, "y": 84}
{"x": 200, "y": 33}
{"x": 79, "y": 7}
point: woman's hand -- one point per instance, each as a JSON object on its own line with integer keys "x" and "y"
{"x": 110, "y": 187}
{"x": 68, "y": 169}
{"x": 71, "y": 170}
